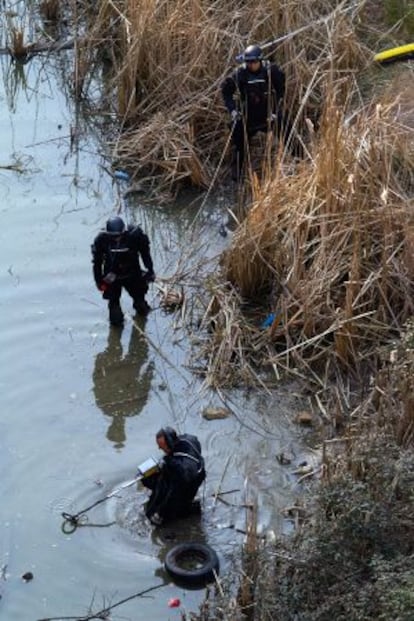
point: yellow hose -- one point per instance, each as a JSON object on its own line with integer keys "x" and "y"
{"x": 402, "y": 52}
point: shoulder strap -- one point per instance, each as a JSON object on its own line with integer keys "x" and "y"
{"x": 134, "y": 229}
{"x": 197, "y": 461}
{"x": 181, "y": 454}
{"x": 195, "y": 449}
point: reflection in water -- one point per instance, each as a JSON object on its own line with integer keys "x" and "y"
{"x": 120, "y": 388}
{"x": 183, "y": 530}
{"x": 14, "y": 78}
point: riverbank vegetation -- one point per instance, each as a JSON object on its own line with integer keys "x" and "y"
{"x": 351, "y": 558}
{"x": 156, "y": 68}
{"x": 325, "y": 253}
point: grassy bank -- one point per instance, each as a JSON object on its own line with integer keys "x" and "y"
{"x": 352, "y": 556}
{"x": 327, "y": 250}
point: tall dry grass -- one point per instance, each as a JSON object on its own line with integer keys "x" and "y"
{"x": 329, "y": 250}
{"x": 165, "y": 61}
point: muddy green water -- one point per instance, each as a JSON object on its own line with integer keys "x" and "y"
{"x": 80, "y": 404}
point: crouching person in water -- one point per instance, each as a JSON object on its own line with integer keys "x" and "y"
{"x": 176, "y": 484}
{"x": 116, "y": 254}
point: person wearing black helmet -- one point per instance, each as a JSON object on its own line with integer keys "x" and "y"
{"x": 252, "y": 95}
{"x": 181, "y": 474}
{"x": 116, "y": 255}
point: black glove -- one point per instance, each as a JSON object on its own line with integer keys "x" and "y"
{"x": 156, "y": 519}
{"x": 235, "y": 115}
{"x": 149, "y": 276}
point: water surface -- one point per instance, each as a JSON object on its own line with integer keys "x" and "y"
{"x": 81, "y": 402}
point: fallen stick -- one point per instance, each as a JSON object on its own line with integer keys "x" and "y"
{"x": 103, "y": 614}
{"x": 217, "y": 493}
{"x": 233, "y": 504}
{"x": 308, "y": 474}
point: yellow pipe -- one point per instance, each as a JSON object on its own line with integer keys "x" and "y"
{"x": 402, "y": 52}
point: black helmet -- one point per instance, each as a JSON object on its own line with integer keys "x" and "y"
{"x": 169, "y": 434}
{"x": 115, "y": 225}
{"x": 252, "y": 52}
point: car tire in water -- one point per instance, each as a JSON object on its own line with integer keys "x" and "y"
{"x": 192, "y": 563}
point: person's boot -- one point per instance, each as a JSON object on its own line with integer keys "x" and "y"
{"x": 142, "y": 307}
{"x": 116, "y": 316}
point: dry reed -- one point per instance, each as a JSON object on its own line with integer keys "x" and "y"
{"x": 353, "y": 552}
{"x": 328, "y": 250}
{"x": 164, "y": 62}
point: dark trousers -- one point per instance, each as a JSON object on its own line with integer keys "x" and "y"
{"x": 170, "y": 499}
{"x": 135, "y": 285}
{"x": 242, "y": 134}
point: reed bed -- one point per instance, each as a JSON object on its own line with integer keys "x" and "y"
{"x": 351, "y": 556}
{"x": 327, "y": 242}
{"x": 157, "y": 66}
{"x": 164, "y": 62}
{"x": 193, "y": 75}
{"x": 328, "y": 251}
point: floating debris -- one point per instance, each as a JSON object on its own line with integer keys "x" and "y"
{"x": 122, "y": 175}
{"x": 304, "y": 468}
{"x": 223, "y": 230}
{"x": 293, "y": 511}
{"x": 283, "y": 459}
{"x": 215, "y": 413}
{"x": 272, "y": 320}
{"x": 304, "y": 418}
{"x": 171, "y": 299}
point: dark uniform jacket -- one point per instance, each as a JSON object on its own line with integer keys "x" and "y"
{"x": 181, "y": 475}
{"x": 121, "y": 256}
{"x": 259, "y": 93}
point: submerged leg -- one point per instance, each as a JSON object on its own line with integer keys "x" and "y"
{"x": 237, "y": 156}
{"x": 137, "y": 288}
{"x": 141, "y": 306}
{"x": 116, "y": 316}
